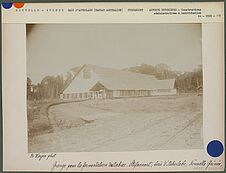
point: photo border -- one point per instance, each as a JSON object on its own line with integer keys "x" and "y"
{"x": 78, "y": 1}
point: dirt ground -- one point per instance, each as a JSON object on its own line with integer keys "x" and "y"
{"x": 126, "y": 124}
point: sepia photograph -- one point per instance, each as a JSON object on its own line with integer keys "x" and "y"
{"x": 114, "y": 87}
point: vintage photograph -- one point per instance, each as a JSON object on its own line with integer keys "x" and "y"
{"x": 114, "y": 87}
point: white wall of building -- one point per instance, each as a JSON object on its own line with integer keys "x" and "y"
{"x": 79, "y": 84}
{"x": 163, "y": 93}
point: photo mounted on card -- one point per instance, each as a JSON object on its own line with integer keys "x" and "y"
{"x": 113, "y": 86}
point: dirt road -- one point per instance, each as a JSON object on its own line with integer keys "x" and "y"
{"x": 131, "y": 124}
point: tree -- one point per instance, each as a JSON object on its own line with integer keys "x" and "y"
{"x": 29, "y": 85}
{"x": 163, "y": 71}
{"x": 185, "y": 82}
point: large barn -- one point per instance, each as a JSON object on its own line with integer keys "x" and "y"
{"x": 94, "y": 82}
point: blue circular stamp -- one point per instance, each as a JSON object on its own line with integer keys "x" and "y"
{"x": 215, "y": 148}
{"x": 7, "y": 5}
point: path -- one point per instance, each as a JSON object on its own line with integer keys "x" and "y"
{"x": 135, "y": 124}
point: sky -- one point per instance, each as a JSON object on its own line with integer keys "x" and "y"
{"x": 54, "y": 49}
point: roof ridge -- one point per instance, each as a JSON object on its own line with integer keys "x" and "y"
{"x": 120, "y": 70}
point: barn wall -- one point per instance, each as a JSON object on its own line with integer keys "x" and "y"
{"x": 79, "y": 84}
{"x": 131, "y": 93}
{"x": 109, "y": 93}
{"x": 164, "y": 92}
{"x": 117, "y": 94}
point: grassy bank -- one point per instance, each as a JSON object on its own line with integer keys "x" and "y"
{"x": 38, "y": 118}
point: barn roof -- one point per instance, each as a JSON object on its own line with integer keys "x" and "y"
{"x": 105, "y": 72}
{"x": 122, "y": 80}
{"x": 138, "y": 85}
{"x": 114, "y": 79}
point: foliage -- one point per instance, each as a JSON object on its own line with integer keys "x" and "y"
{"x": 185, "y": 81}
{"x": 52, "y": 86}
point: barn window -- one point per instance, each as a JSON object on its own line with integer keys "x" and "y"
{"x": 86, "y": 73}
